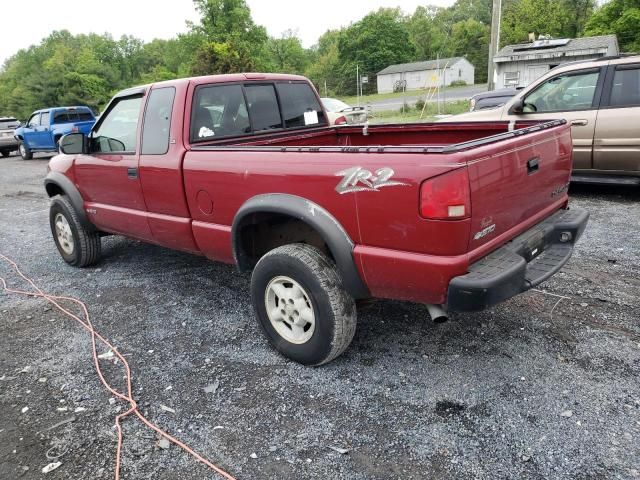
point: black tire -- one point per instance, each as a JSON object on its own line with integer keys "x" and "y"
{"x": 86, "y": 247}
{"x": 25, "y": 152}
{"x": 5, "y": 153}
{"x": 333, "y": 308}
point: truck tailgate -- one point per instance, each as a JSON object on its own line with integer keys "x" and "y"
{"x": 517, "y": 179}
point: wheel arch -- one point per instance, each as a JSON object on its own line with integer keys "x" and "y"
{"x": 299, "y": 209}
{"x": 56, "y": 183}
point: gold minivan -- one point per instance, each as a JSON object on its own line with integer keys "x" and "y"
{"x": 601, "y": 100}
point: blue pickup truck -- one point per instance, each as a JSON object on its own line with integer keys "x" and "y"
{"x": 46, "y": 127}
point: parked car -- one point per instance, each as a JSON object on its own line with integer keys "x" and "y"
{"x": 339, "y": 113}
{"x": 491, "y": 99}
{"x": 8, "y": 143}
{"x": 601, "y": 100}
{"x": 46, "y": 127}
{"x": 245, "y": 169}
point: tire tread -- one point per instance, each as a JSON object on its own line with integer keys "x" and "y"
{"x": 342, "y": 304}
{"x": 90, "y": 245}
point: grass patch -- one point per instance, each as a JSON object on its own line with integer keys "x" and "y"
{"x": 353, "y": 100}
{"x": 412, "y": 115}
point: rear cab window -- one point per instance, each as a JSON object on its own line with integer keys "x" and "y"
{"x": 241, "y": 109}
{"x": 70, "y": 116}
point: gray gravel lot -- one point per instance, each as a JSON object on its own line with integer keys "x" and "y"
{"x": 512, "y": 393}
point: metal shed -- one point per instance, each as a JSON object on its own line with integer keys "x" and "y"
{"x": 431, "y": 73}
{"x": 519, "y": 65}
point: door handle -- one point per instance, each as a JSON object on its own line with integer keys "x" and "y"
{"x": 533, "y": 165}
{"x": 580, "y": 123}
{"x": 132, "y": 173}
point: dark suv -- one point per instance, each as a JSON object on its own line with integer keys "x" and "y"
{"x": 8, "y": 142}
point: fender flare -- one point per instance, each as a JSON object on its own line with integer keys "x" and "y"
{"x": 333, "y": 234}
{"x": 57, "y": 181}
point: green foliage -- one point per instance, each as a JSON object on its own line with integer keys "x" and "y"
{"x": 558, "y": 18}
{"x": 67, "y": 69}
{"x": 375, "y": 42}
{"x": 621, "y": 17}
{"x": 287, "y": 54}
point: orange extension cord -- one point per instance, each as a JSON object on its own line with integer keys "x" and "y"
{"x": 128, "y": 397}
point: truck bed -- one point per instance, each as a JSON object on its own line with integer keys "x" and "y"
{"x": 430, "y": 137}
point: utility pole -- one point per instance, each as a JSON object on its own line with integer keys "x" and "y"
{"x": 358, "y": 83}
{"x": 496, "y": 17}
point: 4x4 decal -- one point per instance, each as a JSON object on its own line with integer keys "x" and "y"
{"x": 358, "y": 179}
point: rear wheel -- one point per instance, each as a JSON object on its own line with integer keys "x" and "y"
{"x": 25, "y": 152}
{"x": 301, "y": 305}
{"x": 5, "y": 153}
{"x": 77, "y": 245}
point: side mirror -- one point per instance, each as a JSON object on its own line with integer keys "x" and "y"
{"x": 74, "y": 144}
{"x": 517, "y": 108}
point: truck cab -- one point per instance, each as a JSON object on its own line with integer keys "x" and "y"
{"x": 46, "y": 127}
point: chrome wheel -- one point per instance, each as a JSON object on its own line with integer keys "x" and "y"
{"x": 289, "y": 309}
{"x": 64, "y": 234}
{"x": 23, "y": 151}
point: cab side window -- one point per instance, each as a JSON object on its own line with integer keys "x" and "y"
{"x": 44, "y": 119}
{"x": 219, "y": 111}
{"x": 567, "y": 92}
{"x": 117, "y": 131}
{"x": 34, "y": 121}
{"x": 625, "y": 91}
{"x": 157, "y": 121}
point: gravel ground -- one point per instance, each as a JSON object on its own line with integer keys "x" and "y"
{"x": 517, "y": 392}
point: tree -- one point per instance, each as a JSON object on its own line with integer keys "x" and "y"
{"x": 230, "y": 37}
{"x": 621, "y": 17}
{"x": 470, "y": 39}
{"x": 324, "y": 63}
{"x": 558, "y": 18}
{"x": 426, "y": 32}
{"x": 378, "y": 40}
{"x": 287, "y": 54}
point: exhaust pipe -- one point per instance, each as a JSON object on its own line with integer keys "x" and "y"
{"x": 437, "y": 313}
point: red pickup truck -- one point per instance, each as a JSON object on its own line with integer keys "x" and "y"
{"x": 245, "y": 169}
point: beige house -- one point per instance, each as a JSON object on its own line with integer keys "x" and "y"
{"x": 419, "y": 75}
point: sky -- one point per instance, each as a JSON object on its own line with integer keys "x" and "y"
{"x": 149, "y": 19}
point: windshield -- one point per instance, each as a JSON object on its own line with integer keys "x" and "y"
{"x": 334, "y": 105}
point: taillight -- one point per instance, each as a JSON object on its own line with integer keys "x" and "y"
{"x": 446, "y": 197}
{"x": 341, "y": 120}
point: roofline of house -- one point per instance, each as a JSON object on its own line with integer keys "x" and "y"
{"x": 382, "y": 72}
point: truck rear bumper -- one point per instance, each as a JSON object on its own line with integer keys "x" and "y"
{"x": 523, "y": 263}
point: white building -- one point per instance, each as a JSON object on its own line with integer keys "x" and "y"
{"x": 419, "y": 75}
{"x": 521, "y": 64}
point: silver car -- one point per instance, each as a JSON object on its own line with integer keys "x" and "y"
{"x": 339, "y": 113}
{"x": 8, "y": 142}
{"x": 601, "y": 101}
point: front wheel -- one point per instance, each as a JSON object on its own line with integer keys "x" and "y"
{"x": 301, "y": 305}
{"x": 25, "y": 152}
{"x": 77, "y": 245}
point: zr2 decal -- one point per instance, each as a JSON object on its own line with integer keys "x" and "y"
{"x": 358, "y": 179}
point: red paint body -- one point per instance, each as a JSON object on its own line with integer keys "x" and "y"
{"x": 187, "y": 198}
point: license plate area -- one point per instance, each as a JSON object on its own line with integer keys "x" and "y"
{"x": 534, "y": 246}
